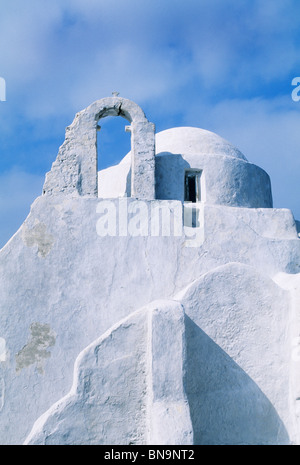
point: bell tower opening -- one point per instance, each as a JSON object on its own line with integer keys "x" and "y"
{"x": 113, "y": 142}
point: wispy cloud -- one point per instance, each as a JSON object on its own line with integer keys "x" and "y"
{"x": 65, "y": 50}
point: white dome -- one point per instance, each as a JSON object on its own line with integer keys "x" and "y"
{"x": 192, "y": 141}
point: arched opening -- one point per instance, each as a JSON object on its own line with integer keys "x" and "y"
{"x": 77, "y": 170}
{"x": 113, "y": 142}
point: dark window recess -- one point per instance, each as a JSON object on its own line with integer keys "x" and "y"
{"x": 192, "y": 191}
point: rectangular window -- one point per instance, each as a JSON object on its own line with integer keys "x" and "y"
{"x": 192, "y": 186}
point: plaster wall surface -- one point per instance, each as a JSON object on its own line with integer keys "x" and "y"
{"x": 69, "y": 277}
{"x": 238, "y": 357}
{"x": 115, "y": 360}
{"x": 144, "y": 352}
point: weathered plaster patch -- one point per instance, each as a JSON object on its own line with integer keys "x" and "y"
{"x": 38, "y": 236}
{"x": 35, "y": 351}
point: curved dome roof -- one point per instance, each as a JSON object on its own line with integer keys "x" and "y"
{"x": 192, "y": 141}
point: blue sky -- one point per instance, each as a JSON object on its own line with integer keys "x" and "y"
{"x": 222, "y": 65}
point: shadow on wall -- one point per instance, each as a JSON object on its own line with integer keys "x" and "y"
{"x": 226, "y": 405}
{"x": 128, "y": 184}
{"x": 169, "y": 176}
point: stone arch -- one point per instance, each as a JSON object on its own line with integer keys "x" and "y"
{"x": 75, "y": 168}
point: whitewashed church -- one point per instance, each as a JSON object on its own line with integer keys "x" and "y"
{"x": 153, "y": 302}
